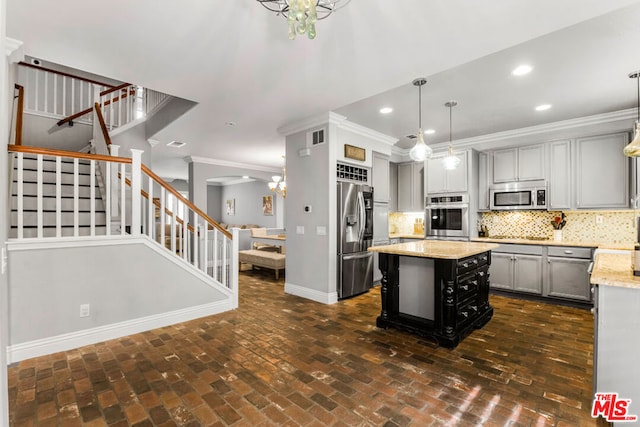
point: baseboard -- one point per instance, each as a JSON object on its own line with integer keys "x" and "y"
{"x": 41, "y": 347}
{"x": 312, "y": 294}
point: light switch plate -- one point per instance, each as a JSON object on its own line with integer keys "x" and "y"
{"x": 300, "y": 229}
{"x": 321, "y": 230}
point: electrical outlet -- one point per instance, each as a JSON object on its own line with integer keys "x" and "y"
{"x": 300, "y": 229}
{"x": 85, "y": 310}
{"x": 599, "y": 219}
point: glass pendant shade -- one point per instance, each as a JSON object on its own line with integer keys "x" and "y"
{"x": 420, "y": 151}
{"x": 278, "y": 183}
{"x": 633, "y": 149}
{"x": 450, "y": 161}
{"x": 302, "y": 15}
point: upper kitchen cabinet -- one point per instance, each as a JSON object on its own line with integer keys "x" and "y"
{"x": 393, "y": 187}
{"x": 380, "y": 179}
{"x": 410, "y": 187}
{"x": 519, "y": 164}
{"x": 559, "y": 196}
{"x": 483, "y": 181}
{"x": 602, "y": 172}
{"x": 440, "y": 180}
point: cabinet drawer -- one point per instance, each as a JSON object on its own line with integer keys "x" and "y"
{"x": 466, "y": 265}
{"x": 519, "y": 249}
{"x": 467, "y": 286}
{"x": 569, "y": 252}
{"x": 467, "y": 311}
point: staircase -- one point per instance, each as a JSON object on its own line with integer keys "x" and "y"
{"x": 91, "y": 215}
{"x": 103, "y": 230}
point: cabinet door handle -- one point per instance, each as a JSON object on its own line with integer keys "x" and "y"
{"x": 568, "y": 252}
{"x": 465, "y": 265}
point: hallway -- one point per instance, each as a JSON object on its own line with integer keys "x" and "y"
{"x": 283, "y": 360}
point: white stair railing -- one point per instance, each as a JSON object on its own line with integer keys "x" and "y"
{"x": 147, "y": 206}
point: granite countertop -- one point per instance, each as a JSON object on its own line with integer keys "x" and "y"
{"x": 406, "y": 236}
{"x": 550, "y": 242}
{"x": 439, "y": 249}
{"x": 614, "y": 269}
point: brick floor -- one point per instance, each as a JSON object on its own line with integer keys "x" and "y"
{"x": 283, "y": 360}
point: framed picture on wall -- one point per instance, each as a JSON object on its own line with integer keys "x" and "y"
{"x": 267, "y": 205}
{"x": 231, "y": 206}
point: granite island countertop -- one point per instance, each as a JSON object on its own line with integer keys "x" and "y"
{"x": 614, "y": 269}
{"x": 551, "y": 242}
{"x": 439, "y": 249}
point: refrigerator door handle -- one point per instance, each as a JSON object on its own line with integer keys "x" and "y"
{"x": 357, "y": 255}
{"x": 362, "y": 214}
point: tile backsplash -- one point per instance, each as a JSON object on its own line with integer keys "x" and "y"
{"x": 402, "y": 222}
{"x": 591, "y": 226}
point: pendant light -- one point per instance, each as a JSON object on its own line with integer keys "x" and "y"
{"x": 633, "y": 149}
{"x": 420, "y": 151}
{"x": 450, "y": 161}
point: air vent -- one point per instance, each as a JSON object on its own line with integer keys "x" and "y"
{"x": 176, "y": 144}
{"x": 316, "y": 137}
{"x": 412, "y": 136}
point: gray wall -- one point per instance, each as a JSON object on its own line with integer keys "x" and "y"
{"x": 5, "y": 99}
{"x": 311, "y": 258}
{"x": 248, "y": 198}
{"x": 136, "y": 138}
{"x": 41, "y": 131}
{"x": 47, "y": 287}
{"x": 214, "y": 202}
{"x": 200, "y": 172}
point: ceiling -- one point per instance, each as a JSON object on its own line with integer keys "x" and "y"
{"x": 235, "y": 60}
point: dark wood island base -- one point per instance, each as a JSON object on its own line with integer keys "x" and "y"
{"x": 460, "y": 296}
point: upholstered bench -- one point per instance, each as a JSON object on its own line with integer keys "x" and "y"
{"x": 266, "y": 259}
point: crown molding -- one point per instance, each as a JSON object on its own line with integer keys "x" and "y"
{"x": 598, "y": 119}
{"x": 217, "y": 162}
{"x": 11, "y": 45}
{"x": 367, "y": 132}
{"x": 311, "y": 122}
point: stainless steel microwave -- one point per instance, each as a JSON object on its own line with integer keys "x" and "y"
{"x": 518, "y": 196}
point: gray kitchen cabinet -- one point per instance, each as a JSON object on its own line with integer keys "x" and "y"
{"x": 380, "y": 179}
{"x": 517, "y": 268}
{"x": 519, "y": 164}
{"x": 483, "y": 182}
{"x": 440, "y": 180}
{"x": 568, "y": 272}
{"x": 560, "y": 169}
{"x": 393, "y": 187}
{"x": 616, "y": 347}
{"x": 501, "y": 271}
{"x": 377, "y": 274}
{"x": 411, "y": 187}
{"x": 610, "y": 187}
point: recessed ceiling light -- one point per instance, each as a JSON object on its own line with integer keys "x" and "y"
{"x": 543, "y": 107}
{"x": 429, "y": 131}
{"x": 521, "y": 70}
{"x": 386, "y": 110}
{"x": 230, "y": 123}
{"x": 176, "y": 144}
{"x": 245, "y": 176}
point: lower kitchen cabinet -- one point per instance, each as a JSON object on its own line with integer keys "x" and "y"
{"x": 568, "y": 273}
{"x": 517, "y": 272}
{"x": 557, "y": 272}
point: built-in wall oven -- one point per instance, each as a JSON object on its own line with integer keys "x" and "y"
{"x": 447, "y": 216}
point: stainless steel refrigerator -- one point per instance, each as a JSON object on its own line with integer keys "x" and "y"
{"x": 355, "y": 234}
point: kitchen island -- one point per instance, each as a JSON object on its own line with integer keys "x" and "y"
{"x": 434, "y": 288}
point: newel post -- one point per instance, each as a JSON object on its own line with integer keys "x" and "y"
{"x": 136, "y": 186}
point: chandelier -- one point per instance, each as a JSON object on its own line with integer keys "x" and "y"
{"x": 302, "y": 15}
{"x": 279, "y": 183}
